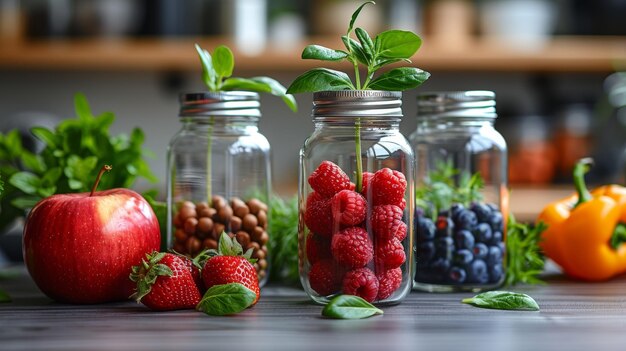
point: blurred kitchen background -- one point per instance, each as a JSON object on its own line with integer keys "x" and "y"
{"x": 554, "y": 65}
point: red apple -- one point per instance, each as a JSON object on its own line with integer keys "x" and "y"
{"x": 79, "y": 248}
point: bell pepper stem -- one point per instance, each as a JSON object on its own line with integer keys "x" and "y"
{"x": 619, "y": 236}
{"x": 581, "y": 168}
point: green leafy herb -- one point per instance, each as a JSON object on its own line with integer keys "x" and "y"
{"x": 4, "y": 296}
{"x": 349, "y": 307}
{"x": 440, "y": 190}
{"x": 386, "y": 48}
{"x": 217, "y": 71}
{"x": 503, "y": 300}
{"x": 72, "y": 155}
{"x": 226, "y": 299}
{"x": 283, "y": 227}
{"x": 524, "y": 258}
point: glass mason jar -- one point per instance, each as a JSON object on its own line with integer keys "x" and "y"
{"x": 218, "y": 175}
{"x": 355, "y": 206}
{"x": 461, "y": 192}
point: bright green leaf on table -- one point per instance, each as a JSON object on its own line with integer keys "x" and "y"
{"x": 349, "y": 307}
{"x": 503, "y": 300}
{"x": 226, "y": 299}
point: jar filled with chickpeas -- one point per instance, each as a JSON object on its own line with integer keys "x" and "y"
{"x": 219, "y": 176}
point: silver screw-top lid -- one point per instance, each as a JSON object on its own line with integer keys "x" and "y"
{"x": 469, "y": 104}
{"x": 226, "y": 103}
{"x": 357, "y": 103}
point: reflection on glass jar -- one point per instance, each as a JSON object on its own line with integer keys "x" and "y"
{"x": 461, "y": 196}
{"x": 355, "y": 199}
{"x": 219, "y": 176}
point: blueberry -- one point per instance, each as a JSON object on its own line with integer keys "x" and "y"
{"x": 455, "y": 209}
{"x": 463, "y": 257}
{"x": 483, "y": 233}
{"x": 425, "y": 229}
{"x": 425, "y": 251}
{"x": 497, "y": 238}
{"x": 457, "y": 275}
{"x": 482, "y": 212}
{"x": 464, "y": 239}
{"x": 465, "y": 219}
{"x": 444, "y": 247}
{"x": 444, "y": 226}
{"x": 477, "y": 272}
{"x": 502, "y": 246}
{"x": 495, "y": 273}
{"x": 494, "y": 256}
{"x": 419, "y": 212}
{"x": 440, "y": 267}
{"x": 493, "y": 207}
{"x": 480, "y": 251}
{"x": 496, "y": 221}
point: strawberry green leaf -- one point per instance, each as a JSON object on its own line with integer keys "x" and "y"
{"x": 399, "y": 79}
{"x": 320, "y": 79}
{"x": 226, "y": 299}
{"x": 317, "y": 52}
{"x": 349, "y": 307}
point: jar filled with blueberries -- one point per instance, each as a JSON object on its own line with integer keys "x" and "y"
{"x": 461, "y": 197}
{"x": 355, "y": 199}
{"x": 218, "y": 176}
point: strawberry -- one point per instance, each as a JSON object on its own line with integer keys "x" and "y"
{"x": 388, "y": 187}
{"x": 229, "y": 264}
{"x": 328, "y": 179}
{"x": 164, "y": 282}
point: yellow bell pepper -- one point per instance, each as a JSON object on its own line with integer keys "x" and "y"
{"x": 587, "y": 231}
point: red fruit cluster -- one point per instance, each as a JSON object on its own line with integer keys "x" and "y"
{"x": 343, "y": 256}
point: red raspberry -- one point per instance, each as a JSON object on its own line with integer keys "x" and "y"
{"x": 390, "y": 254}
{"x": 318, "y": 214}
{"x": 352, "y": 186}
{"x": 328, "y": 179}
{"x": 324, "y": 277}
{"x": 388, "y": 187}
{"x": 317, "y": 248}
{"x": 386, "y": 221}
{"x": 348, "y": 207}
{"x": 388, "y": 282}
{"x": 401, "y": 233}
{"x": 365, "y": 185}
{"x": 361, "y": 282}
{"x": 402, "y": 204}
{"x": 352, "y": 247}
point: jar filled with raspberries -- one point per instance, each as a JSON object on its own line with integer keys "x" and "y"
{"x": 461, "y": 197}
{"x": 219, "y": 176}
{"x": 355, "y": 198}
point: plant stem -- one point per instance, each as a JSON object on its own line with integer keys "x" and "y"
{"x": 580, "y": 169}
{"x": 356, "y": 75}
{"x": 359, "y": 161}
{"x": 370, "y": 74}
{"x": 104, "y": 168}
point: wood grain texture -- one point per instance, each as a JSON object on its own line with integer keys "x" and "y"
{"x": 573, "y": 316}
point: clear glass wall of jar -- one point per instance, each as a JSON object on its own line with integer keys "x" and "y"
{"x": 461, "y": 192}
{"x": 355, "y": 199}
{"x": 218, "y": 175}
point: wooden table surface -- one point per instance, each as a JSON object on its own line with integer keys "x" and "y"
{"x": 573, "y": 316}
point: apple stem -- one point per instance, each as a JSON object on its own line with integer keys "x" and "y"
{"x": 104, "y": 168}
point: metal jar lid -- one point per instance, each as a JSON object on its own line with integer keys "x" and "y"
{"x": 226, "y": 103}
{"x": 357, "y": 103}
{"x": 470, "y": 104}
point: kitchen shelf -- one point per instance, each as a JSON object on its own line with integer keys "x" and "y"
{"x": 562, "y": 54}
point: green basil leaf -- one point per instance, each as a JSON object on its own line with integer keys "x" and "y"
{"x": 25, "y": 202}
{"x": 356, "y": 14}
{"x": 4, "y": 296}
{"x": 246, "y": 84}
{"x": 33, "y": 162}
{"x": 279, "y": 90}
{"x": 355, "y": 49}
{"x": 26, "y": 182}
{"x": 208, "y": 72}
{"x": 349, "y": 307}
{"x": 223, "y": 61}
{"x": 503, "y": 300}
{"x": 380, "y": 62}
{"x": 397, "y": 44}
{"x": 318, "y": 52}
{"x": 82, "y": 108}
{"x": 45, "y": 135}
{"x": 226, "y": 299}
{"x": 399, "y": 79}
{"x": 319, "y": 79}
{"x": 366, "y": 43}
{"x": 13, "y": 143}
